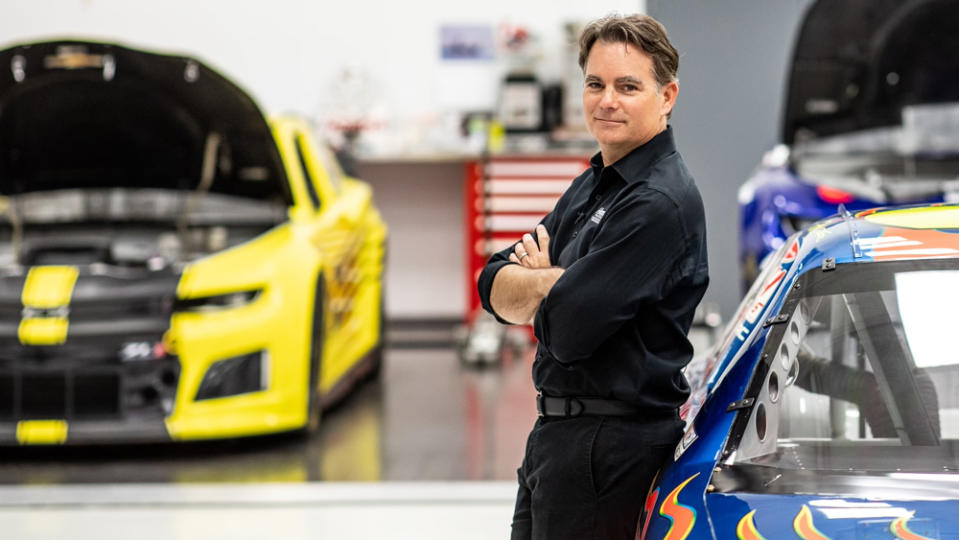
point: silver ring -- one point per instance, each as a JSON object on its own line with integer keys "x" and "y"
{"x": 523, "y": 254}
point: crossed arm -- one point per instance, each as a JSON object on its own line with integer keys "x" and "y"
{"x": 519, "y": 288}
{"x": 630, "y": 260}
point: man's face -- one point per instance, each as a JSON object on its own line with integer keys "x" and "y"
{"x": 624, "y": 106}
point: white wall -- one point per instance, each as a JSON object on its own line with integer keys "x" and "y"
{"x": 422, "y": 203}
{"x": 287, "y": 52}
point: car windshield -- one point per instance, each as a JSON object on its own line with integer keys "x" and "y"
{"x": 871, "y": 356}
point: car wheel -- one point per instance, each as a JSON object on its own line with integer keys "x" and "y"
{"x": 316, "y": 357}
{"x": 376, "y": 355}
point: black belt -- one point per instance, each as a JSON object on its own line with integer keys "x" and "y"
{"x": 576, "y": 406}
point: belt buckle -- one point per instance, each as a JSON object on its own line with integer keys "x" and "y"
{"x": 540, "y": 406}
{"x": 570, "y": 401}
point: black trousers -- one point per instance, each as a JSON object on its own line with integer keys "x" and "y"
{"x": 586, "y": 478}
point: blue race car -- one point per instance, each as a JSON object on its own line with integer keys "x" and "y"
{"x": 829, "y": 408}
{"x": 870, "y": 118}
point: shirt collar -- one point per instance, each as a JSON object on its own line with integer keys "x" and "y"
{"x": 631, "y": 166}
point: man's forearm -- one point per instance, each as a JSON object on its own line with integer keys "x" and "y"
{"x": 517, "y": 291}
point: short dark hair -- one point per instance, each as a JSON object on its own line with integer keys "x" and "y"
{"x": 641, "y": 31}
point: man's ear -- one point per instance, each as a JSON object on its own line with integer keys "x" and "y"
{"x": 670, "y": 92}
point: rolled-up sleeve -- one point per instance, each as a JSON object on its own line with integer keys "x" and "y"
{"x": 484, "y": 284}
{"x": 627, "y": 264}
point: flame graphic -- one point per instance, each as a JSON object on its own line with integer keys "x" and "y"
{"x": 804, "y": 526}
{"x": 901, "y": 530}
{"x": 746, "y": 530}
{"x": 681, "y": 517}
{"x": 648, "y": 509}
{"x": 651, "y": 497}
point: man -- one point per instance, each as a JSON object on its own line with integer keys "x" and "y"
{"x": 610, "y": 278}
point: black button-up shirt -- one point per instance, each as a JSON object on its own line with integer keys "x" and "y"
{"x": 632, "y": 240}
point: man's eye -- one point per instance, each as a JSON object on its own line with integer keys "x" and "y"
{"x": 630, "y": 88}
{"x": 594, "y": 85}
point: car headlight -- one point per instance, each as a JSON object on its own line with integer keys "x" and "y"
{"x": 233, "y": 376}
{"x": 217, "y": 302}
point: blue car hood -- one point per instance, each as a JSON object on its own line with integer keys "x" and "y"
{"x": 754, "y": 516}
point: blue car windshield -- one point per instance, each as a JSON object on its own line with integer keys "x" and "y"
{"x": 868, "y": 372}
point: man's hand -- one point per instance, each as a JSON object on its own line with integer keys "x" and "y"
{"x": 531, "y": 255}
{"x": 518, "y": 290}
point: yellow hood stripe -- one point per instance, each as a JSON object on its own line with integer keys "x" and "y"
{"x": 43, "y": 331}
{"x": 46, "y": 287}
{"x": 49, "y": 286}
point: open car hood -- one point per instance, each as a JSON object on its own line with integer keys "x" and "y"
{"x": 77, "y": 114}
{"x": 857, "y": 63}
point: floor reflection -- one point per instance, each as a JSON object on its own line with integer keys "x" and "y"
{"x": 444, "y": 422}
{"x": 425, "y": 418}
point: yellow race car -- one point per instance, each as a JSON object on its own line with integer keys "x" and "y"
{"x": 173, "y": 265}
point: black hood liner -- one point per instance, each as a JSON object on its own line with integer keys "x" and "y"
{"x": 77, "y": 114}
{"x": 857, "y": 63}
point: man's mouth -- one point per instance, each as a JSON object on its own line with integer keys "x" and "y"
{"x": 608, "y": 121}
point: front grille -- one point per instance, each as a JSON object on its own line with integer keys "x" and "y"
{"x": 42, "y": 395}
{"x": 104, "y": 392}
{"x": 96, "y": 394}
{"x": 7, "y": 397}
{"x": 104, "y": 309}
{"x": 106, "y": 305}
{"x": 89, "y": 377}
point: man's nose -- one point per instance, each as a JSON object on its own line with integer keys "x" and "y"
{"x": 608, "y": 100}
